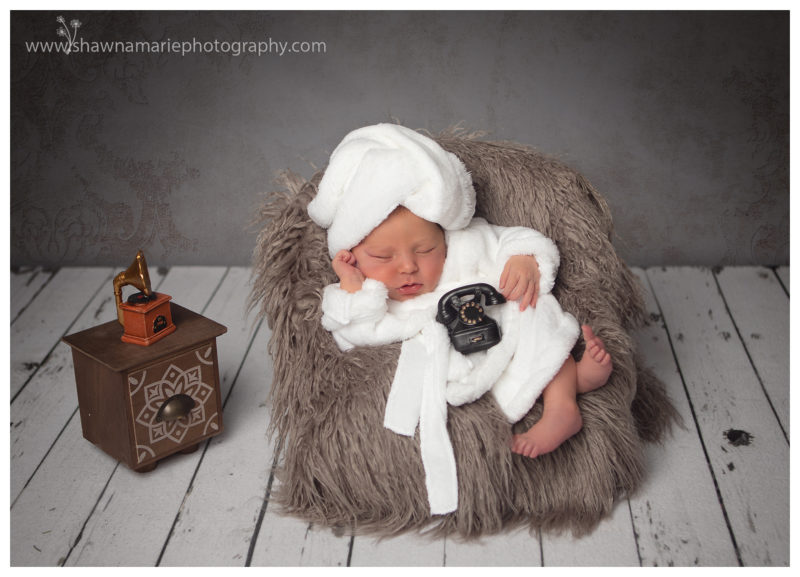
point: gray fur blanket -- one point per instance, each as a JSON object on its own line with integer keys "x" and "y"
{"x": 341, "y": 468}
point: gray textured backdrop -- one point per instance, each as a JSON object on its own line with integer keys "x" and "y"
{"x": 680, "y": 119}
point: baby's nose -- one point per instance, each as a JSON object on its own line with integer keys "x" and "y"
{"x": 408, "y": 264}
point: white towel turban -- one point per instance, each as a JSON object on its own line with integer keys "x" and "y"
{"x": 377, "y": 168}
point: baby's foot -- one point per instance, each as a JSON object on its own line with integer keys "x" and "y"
{"x": 558, "y": 423}
{"x": 595, "y": 366}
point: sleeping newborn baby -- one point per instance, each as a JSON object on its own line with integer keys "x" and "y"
{"x": 401, "y": 233}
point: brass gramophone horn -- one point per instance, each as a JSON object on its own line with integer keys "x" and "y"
{"x": 135, "y": 275}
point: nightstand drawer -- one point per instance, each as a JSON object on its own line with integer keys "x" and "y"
{"x": 174, "y": 403}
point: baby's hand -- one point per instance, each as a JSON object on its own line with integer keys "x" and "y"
{"x": 520, "y": 280}
{"x": 344, "y": 265}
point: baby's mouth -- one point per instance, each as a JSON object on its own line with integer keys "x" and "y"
{"x": 410, "y": 288}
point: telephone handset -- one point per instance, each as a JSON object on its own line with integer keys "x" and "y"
{"x": 461, "y": 311}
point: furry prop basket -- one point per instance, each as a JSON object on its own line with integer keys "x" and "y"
{"x": 341, "y": 468}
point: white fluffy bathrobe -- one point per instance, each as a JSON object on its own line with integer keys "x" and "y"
{"x": 430, "y": 372}
{"x": 371, "y": 172}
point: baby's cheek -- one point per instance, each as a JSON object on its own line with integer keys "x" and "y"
{"x": 373, "y": 271}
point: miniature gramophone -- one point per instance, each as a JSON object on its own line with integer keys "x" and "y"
{"x": 146, "y": 316}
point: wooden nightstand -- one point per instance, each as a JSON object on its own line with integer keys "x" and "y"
{"x": 140, "y": 404}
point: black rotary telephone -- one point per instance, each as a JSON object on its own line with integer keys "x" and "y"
{"x": 461, "y": 311}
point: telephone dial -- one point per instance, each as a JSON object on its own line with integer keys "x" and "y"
{"x": 461, "y": 311}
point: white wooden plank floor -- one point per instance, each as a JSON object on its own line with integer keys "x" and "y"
{"x": 717, "y": 492}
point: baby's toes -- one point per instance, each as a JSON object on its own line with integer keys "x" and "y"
{"x": 522, "y": 446}
{"x": 532, "y": 452}
{"x": 527, "y": 450}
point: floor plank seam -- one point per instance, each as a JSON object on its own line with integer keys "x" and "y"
{"x": 44, "y": 457}
{"x": 350, "y": 550}
{"x": 697, "y": 425}
{"x": 36, "y": 294}
{"x": 207, "y": 443}
{"x": 241, "y": 364}
{"x": 635, "y": 532}
{"x": 63, "y": 561}
{"x": 780, "y": 280}
{"x": 750, "y": 358}
{"x": 49, "y": 353}
{"x": 182, "y": 504}
{"x": 216, "y": 289}
{"x": 541, "y": 547}
{"x": 257, "y": 529}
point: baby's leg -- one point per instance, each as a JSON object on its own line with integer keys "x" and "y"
{"x": 561, "y": 417}
{"x": 595, "y": 366}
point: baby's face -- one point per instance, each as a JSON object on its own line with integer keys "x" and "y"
{"x": 404, "y": 252}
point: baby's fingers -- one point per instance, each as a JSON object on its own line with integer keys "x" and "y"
{"x": 523, "y": 292}
{"x": 503, "y": 279}
{"x": 529, "y": 297}
{"x": 512, "y": 289}
{"x": 598, "y": 353}
{"x": 535, "y": 292}
{"x": 346, "y": 257}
